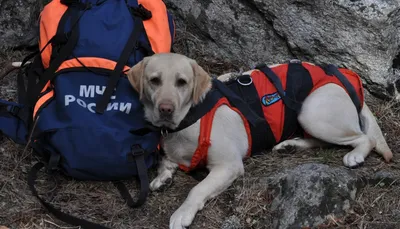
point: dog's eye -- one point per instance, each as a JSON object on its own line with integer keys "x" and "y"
{"x": 181, "y": 82}
{"x": 155, "y": 81}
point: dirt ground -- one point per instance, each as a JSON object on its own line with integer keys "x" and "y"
{"x": 376, "y": 206}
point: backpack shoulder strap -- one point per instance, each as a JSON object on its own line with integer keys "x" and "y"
{"x": 139, "y": 14}
{"x": 72, "y": 38}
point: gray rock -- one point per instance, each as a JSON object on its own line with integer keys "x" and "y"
{"x": 307, "y": 194}
{"x": 232, "y": 31}
{"x": 384, "y": 178}
{"x": 361, "y": 35}
{"x": 19, "y": 23}
{"x": 232, "y": 222}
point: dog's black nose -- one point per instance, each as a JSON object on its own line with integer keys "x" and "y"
{"x": 166, "y": 109}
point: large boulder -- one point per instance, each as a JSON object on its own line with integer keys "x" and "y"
{"x": 361, "y": 35}
{"x": 305, "y": 196}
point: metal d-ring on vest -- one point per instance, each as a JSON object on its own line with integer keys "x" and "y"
{"x": 245, "y": 84}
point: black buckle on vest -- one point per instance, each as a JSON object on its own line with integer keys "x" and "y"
{"x": 136, "y": 151}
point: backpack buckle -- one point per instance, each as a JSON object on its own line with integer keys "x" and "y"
{"x": 14, "y": 110}
{"x": 136, "y": 151}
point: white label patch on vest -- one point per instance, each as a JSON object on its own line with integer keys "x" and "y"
{"x": 270, "y": 99}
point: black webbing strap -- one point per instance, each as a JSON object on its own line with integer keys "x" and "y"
{"x": 274, "y": 79}
{"x": 239, "y": 103}
{"x": 195, "y": 113}
{"x": 245, "y": 88}
{"x": 136, "y": 156}
{"x": 138, "y": 28}
{"x": 65, "y": 51}
{"x": 32, "y": 176}
{"x": 331, "y": 69}
{"x": 298, "y": 86}
{"x": 20, "y": 78}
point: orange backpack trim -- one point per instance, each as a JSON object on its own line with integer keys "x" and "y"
{"x": 49, "y": 19}
{"x": 157, "y": 27}
{"x": 200, "y": 156}
{"x": 42, "y": 101}
{"x": 90, "y": 62}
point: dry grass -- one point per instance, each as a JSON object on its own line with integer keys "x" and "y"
{"x": 376, "y": 206}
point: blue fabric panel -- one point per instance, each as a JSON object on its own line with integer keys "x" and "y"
{"x": 90, "y": 143}
{"x": 104, "y": 31}
{"x": 11, "y": 126}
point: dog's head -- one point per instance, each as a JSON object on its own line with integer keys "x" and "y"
{"x": 168, "y": 85}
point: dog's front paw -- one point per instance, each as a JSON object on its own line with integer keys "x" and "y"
{"x": 284, "y": 148}
{"x": 160, "y": 183}
{"x": 353, "y": 159}
{"x": 182, "y": 217}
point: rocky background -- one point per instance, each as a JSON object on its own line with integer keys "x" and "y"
{"x": 304, "y": 189}
{"x": 363, "y": 35}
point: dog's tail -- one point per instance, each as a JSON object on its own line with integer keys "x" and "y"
{"x": 371, "y": 128}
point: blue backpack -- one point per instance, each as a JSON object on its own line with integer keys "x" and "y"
{"x": 78, "y": 109}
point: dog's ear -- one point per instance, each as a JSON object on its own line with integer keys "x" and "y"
{"x": 136, "y": 76}
{"x": 202, "y": 82}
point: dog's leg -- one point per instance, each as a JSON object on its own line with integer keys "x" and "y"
{"x": 371, "y": 128}
{"x": 218, "y": 180}
{"x": 298, "y": 144}
{"x": 164, "y": 174}
{"x": 329, "y": 114}
{"x": 224, "y": 161}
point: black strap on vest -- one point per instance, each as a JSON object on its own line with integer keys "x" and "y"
{"x": 298, "y": 86}
{"x": 218, "y": 91}
{"x": 331, "y": 69}
{"x": 239, "y": 103}
{"x": 274, "y": 79}
{"x": 139, "y": 15}
{"x": 263, "y": 135}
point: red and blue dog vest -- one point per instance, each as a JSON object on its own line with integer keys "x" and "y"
{"x": 268, "y": 101}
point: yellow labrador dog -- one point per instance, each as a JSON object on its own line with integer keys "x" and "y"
{"x": 170, "y": 84}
